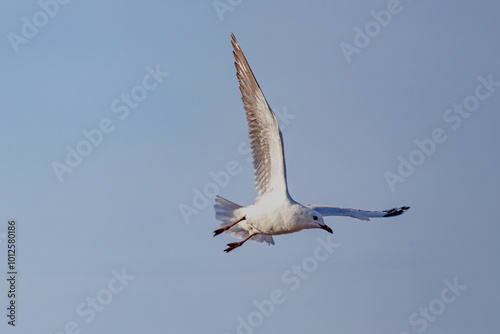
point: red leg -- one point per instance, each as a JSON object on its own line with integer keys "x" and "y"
{"x": 225, "y": 228}
{"x": 234, "y": 245}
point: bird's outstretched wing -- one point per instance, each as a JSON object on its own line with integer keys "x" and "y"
{"x": 359, "y": 214}
{"x": 265, "y": 136}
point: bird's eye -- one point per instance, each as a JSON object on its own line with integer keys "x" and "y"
{"x": 315, "y": 217}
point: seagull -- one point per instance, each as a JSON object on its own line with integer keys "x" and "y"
{"x": 274, "y": 212}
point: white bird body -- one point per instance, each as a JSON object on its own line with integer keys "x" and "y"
{"x": 271, "y": 215}
{"x": 274, "y": 211}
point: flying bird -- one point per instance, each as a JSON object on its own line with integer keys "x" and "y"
{"x": 274, "y": 211}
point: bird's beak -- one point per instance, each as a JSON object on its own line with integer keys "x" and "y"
{"x": 326, "y": 228}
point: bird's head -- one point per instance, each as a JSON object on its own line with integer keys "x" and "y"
{"x": 313, "y": 219}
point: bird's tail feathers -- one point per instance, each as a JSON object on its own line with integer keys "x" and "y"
{"x": 226, "y": 211}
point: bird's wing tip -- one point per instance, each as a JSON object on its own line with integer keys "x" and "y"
{"x": 234, "y": 41}
{"x": 396, "y": 211}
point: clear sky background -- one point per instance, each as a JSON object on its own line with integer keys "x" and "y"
{"x": 350, "y": 119}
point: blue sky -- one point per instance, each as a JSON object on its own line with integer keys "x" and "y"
{"x": 105, "y": 244}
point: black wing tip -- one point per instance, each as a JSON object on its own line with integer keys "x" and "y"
{"x": 396, "y": 211}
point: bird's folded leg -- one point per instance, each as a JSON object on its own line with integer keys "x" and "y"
{"x": 225, "y": 228}
{"x": 234, "y": 245}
